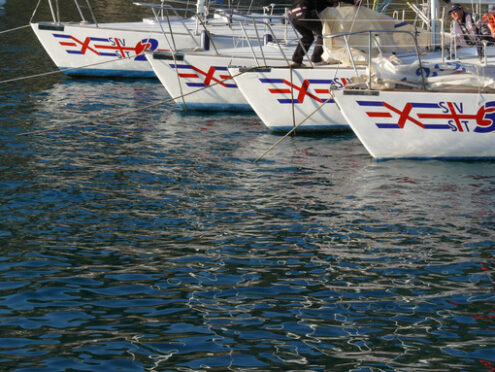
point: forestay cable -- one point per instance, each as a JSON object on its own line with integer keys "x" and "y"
{"x": 25, "y": 26}
{"x": 14, "y": 29}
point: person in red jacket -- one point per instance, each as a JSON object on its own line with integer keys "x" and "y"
{"x": 304, "y": 16}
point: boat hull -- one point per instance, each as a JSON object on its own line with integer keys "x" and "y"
{"x": 422, "y": 125}
{"x": 284, "y": 98}
{"x": 87, "y": 50}
{"x": 116, "y": 49}
{"x": 198, "y": 81}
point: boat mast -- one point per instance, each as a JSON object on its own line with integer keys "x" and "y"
{"x": 434, "y": 12}
{"x": 200, "y": 9}
{"x": 200, "y": 13}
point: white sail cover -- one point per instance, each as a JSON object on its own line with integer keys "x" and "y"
{"x": 387, "y": 73}
{"x": 343, "y": 19}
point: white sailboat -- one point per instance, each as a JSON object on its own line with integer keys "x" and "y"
{"x": 285, "y": 98}
{"x": 207, "y": 81}
{"x": 422, "y": 124}
{"x": 449, "y": 114}
{"x": 116, "y": 49}
{"x": 201, "y": 80}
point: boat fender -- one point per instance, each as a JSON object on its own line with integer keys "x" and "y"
{"x": 267, "y": 38}
{"x": 50, "y": 27}
{"x": 205, "y": 40}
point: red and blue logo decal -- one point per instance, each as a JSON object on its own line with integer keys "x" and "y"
{"x": 313, "y": 89}
{"x": 215, "y": 75}
{"x": 441, "y": 115}
{"x": 107, "y": 47}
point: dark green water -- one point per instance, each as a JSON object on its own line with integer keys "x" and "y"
{"x": 152, "y": 241}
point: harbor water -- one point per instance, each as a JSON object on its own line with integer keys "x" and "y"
{"x": 134, "y": 237}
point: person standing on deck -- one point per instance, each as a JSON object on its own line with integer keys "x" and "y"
{"x": 304, "y": 16}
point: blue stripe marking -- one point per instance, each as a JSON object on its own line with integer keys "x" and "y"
{"x": 425, "y": 105}
{"x": 215, "y": 107}
{"x": 107, "y": 73}
{"x": 311, "y": 128}
{"x": 203, "y": 85}
{"x": 427, "y": 126}
{"x": 62, "y": 36}
{"x": 98, "y": 39}
{"x": 387, "y": 126}
{"x": 401, "y": 24}
{"x": 437, "y": 126}
{"x": 369, "y": 103}
{"x": 271, "y": 80}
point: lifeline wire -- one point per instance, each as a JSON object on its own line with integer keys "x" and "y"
{"x": 35, "y": 10}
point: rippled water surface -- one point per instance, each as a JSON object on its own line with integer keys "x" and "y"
{"x": 145, "y": 239}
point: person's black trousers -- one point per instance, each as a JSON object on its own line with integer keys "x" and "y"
{"x": 307, "y": 28}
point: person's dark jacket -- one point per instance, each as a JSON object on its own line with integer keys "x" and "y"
{"x": 309, "y": 9}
